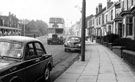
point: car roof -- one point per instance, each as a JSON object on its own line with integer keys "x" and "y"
{"x": 73, "y": 36}
{"x": 19, "y": 38}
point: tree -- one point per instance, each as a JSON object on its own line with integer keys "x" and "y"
{"x": 37, "y": 26}
{"x": 42, "y": 27}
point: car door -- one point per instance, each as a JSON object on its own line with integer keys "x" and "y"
{"x": 40, "y": 51}
{"x": 31, "y": 62}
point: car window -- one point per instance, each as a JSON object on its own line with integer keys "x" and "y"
{"x": 29, "y": 51}
{"x": 11, "y": 49}
{"x": 77, "y": 39}
{"x": 39, "y": 49}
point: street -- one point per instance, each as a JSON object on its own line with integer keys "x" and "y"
{"x": 101, "y": 65}
{"x": 62, "y": 60}
{"x": 101, "y": 32}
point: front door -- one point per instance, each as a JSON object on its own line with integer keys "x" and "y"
{"x": 32, "y": 68}
{"x": 120, "y": 29}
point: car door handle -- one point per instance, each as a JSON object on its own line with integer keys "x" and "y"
{"x": 37, "y": 60}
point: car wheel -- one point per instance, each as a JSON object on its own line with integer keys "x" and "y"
{"x": 48, "y": 43}
{"x": 69, "y": 50}
{"x": 16, "y": 80}
{"x": 79, "y": 51}
{"x": 65, "y": 50}
{"x": 47, "y": 74}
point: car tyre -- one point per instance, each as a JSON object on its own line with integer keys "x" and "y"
{"x": 48, "y": 42}
{"x": 47, "y": 74}
{"x": 65, "y": 50}
{"x": 79, "y": 51}
{"x": 16, "y": 80}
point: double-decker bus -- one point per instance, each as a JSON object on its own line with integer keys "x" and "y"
{"x": 56, "y": 30}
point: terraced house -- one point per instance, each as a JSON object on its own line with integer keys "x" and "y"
{"x": 112, "y": 19}
{"x": 117, "y": 18}
{"x": 128, "y": 18}
{"x": 99, "y": 20}
{"x": 108, "y": 19}
{"x": 89, "y": 25}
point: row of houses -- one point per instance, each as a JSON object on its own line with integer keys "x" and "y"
{"x": 11, "y": 25}
{"x": 117, "y": 17}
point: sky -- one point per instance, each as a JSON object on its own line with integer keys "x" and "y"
{"x": 44, "y": 9}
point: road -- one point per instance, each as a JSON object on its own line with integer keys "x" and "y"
{"x": 62, "y": 60}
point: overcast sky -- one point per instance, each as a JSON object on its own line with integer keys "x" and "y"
{"x": 44, "y": 9}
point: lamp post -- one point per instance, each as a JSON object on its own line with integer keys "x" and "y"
{"x": 83, "y": 30}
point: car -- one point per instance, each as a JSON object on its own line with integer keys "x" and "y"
{"x": 23, "y": 59}
{"x": 72, "y": 43}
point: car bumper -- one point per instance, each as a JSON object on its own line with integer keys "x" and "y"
{"x": 56, "y": 41}
{"x": 73, "y": 48}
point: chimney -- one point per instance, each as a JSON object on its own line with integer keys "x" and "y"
{"x": 109, "y": 3}
{"x": 100, "y": 7}
{"x": 96, "y": 10}
{"x": 9, "y": 13}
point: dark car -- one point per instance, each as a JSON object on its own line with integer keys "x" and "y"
{"x": 23, "y": 59}
{"x": 72, "y": 43}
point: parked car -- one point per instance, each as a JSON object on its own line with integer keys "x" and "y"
{"x": 72, "y": 43}
{"x": 23, "y": 59}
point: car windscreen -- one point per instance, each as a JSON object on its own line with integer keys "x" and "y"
{"x": 11, "y": 49}
{"x": 74, "y": 39}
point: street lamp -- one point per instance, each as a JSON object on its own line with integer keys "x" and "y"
{"x": 83, "y": 30}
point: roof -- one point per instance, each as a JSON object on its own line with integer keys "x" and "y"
{"x": 89, "y": 17}
{"x": 19, "y": 38}
{"x": 132, "y": 8}
{"x": 125, "y": 12}
{"x": 11, "y": 28}
{"x": 101, "y": 11}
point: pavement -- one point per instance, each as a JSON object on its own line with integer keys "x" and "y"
{"x": 100, "y": 65}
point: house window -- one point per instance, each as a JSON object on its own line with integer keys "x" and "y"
{"x": 102, "y": 18}
{"x": 93, "y": 21}
{"x": 106, "y": 18}
{"x": 129, "y": 26}
{"x": 109, "y": 29}
{"x": 88, "y": 24}
{"x": 131, "y": 2}
{"x": 111, "y": 14}
{"x": 123, "y": 5}
{"x": 99, "y": 20}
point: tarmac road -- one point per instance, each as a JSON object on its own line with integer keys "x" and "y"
{"x": 62, "y": 60}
